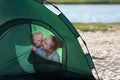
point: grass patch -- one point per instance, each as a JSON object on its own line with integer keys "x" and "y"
{"x": 97, "y": 26}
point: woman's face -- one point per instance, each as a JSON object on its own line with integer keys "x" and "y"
{"x": 46, "y": 43}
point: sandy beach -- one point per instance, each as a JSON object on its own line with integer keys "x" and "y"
{"x": 104, "y": 48}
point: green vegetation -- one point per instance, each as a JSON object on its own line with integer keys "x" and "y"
{"x": 97, "y": 26}
{"x": 84, "y": 1}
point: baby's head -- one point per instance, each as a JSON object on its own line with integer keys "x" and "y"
{"x": 37, "y": 38}
{"x": 51, "y": 43}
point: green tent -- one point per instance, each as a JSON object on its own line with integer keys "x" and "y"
{"x": 18, "y": 20}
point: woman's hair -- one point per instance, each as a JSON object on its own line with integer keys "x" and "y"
{"x": 37, "y": 33}
{"x": 56, "y": 43}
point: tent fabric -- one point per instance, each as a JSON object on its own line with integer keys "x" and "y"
{"x": 70, "y": 26}
{"x": 90, "y": 62}
{"x": 16, "y": 20}
{"x": 10, "y": 41}
{"x": 59, "y": 75}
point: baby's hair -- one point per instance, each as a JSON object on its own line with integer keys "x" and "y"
{"x": 37, "y": 32}
{"x": 56, "y": 43}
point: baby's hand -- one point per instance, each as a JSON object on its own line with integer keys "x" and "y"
{"x": 34, "y": 48}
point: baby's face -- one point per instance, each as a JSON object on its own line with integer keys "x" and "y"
{"x": 37, "y": 39}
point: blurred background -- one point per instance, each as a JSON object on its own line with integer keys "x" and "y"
{"x": 98, "y": 22}
{"x": 86, "y": 14}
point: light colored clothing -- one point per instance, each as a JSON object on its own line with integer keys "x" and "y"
{"x": 41, "y": 52}
{"x": 54, "y": 56}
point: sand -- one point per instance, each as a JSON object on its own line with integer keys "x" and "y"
{"x": 104, "y": 48}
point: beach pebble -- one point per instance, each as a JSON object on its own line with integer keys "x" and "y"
{"x": 105, "y": 49}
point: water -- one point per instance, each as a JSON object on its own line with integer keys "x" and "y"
{"x": 90, "y": 13}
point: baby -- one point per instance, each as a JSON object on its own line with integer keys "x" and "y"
{"x": 37, "y": 40}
